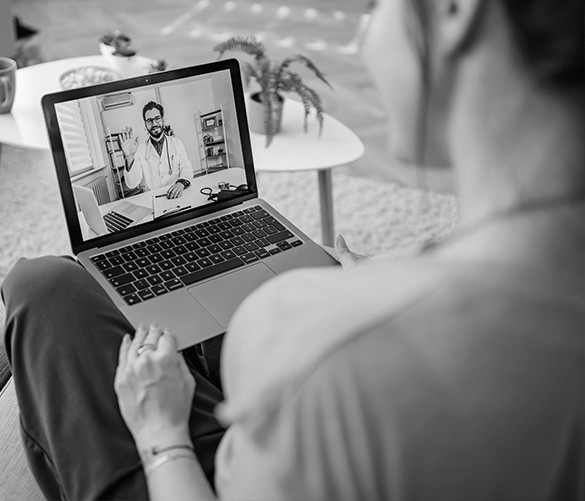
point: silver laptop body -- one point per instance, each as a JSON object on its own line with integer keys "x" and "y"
{"x": 199, "y": 295}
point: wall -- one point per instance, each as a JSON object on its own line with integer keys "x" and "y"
{"x": 182, "y": 102}
{"x": 223, "y": 95}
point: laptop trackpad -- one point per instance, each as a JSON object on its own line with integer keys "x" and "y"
{"x": 223, "y": 295}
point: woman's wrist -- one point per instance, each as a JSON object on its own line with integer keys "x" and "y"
{"x": 147, "y": 440}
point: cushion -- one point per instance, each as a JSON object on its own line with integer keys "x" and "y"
{"x": 15, "y": 477}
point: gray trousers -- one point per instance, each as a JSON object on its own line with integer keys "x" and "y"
{"x": 62, "y": 339}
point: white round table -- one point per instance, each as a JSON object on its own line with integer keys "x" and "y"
{"x": 292, "y": 150}
{"x": 24, "y": 126}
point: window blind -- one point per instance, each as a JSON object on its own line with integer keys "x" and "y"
{"x": 75, "y": 141}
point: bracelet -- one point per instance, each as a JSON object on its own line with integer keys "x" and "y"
{"x": 152, "y": 465}
{"x": 184, "y": 182}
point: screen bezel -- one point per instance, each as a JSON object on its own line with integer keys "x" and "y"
{"x": 49, "y": 102}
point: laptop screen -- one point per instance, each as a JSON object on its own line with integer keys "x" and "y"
{"x": 139, "y": 154}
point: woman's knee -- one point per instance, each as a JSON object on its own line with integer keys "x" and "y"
{"x": 40, "y": 279}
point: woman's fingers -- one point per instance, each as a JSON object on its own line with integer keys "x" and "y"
{"x": 124, "y": 349}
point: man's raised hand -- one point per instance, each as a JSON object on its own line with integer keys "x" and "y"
{"x": 129, "y": 144}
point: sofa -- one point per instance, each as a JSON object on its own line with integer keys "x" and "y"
{"x": 16, "y": 480}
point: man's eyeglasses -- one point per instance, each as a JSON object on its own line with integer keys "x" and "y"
{"x": 150, "y": 121}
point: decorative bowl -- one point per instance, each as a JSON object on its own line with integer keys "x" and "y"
{"x": 87, "y": 75}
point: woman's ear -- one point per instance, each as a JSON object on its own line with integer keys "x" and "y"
{"x": 456, "y": 23}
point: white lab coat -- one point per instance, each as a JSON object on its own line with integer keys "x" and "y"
{"x": 153, "y": 171}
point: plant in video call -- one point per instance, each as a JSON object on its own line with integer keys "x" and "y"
{"x": 275, "y": 77}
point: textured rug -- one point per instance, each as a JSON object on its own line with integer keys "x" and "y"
{"x": 374, "y": 216}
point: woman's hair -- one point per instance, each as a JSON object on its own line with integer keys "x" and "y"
{"x": 549, "y": 35}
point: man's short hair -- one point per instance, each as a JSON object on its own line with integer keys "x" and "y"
{"x": 151, "y": 105}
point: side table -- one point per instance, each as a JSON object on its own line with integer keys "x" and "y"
{"x": 293, "y": 150}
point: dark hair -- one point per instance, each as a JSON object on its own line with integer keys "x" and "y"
{"x": 550, "y": 36}
{"x": 151, "y": 105}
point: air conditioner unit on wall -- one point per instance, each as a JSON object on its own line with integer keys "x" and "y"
{"x": 117, "y": 100}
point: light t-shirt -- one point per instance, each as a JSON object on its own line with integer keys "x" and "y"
{"x": 418, "y": 380}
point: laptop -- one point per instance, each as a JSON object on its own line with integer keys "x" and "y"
{"x": 119, "y": 218}
{"x": 219, "y": 241}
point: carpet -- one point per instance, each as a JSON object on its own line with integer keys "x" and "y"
{"x": 374, "y": 216}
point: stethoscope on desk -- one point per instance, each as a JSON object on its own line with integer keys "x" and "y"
{"x": 208, "y": 192}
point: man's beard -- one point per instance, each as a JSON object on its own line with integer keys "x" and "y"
{"x": 156, "y": 136}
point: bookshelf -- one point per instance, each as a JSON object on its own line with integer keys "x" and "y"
{"x": 212, "y": 139}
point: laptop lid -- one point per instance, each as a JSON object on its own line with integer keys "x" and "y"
{"x": 204, "y": 124}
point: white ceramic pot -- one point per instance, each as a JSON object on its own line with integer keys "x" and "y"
{"x": 256, "y": 114}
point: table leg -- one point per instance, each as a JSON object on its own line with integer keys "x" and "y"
{"x": 326, "y": 201}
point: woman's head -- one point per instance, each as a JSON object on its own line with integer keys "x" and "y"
{"x": 415, "y": 51}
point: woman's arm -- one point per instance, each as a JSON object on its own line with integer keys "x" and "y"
{"x": 155, "y": 391}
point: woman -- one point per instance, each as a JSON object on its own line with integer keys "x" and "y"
{"x": 455, "y": 375}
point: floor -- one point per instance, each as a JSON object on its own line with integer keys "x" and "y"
{"x": 184, "y": 32}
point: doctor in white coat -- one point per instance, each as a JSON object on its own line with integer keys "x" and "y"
{"x": 161, "y": 160}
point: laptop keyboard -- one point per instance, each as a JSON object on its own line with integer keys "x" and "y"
{"x": 180, "y": 258}
{"x": 116, "y": 222}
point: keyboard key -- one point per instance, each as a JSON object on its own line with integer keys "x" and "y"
{"x": 96, "y": 259}
{"x": 167, "y": 275}
{"x": 237, "y": 241}
{"x": 166, "y": 244}
{"x": 116, "y": 260}
{"x": 213, "y": 228}
{"x": 125, "y": 289}
{"x": 143, "y": 252}
{"x": 239, "y": 250}
{"x": 250, "y": 246}
{"x": 248, "y": 237}
{"x": 228, "y": 254}
{"x": 155, "y": 258}
{"x": 114, "y": 272}
{"x": 167, "y": 254}
{"x": 159, "y": 289}
{"x": 238, "y": 231}
{"x": 216, "y": 258}
{"x": 131, "y": 266}
{"x": 203, "y": 252}
{"x": 214, "y": 249}
{"x": 276, "y": 250}
{"x": 178, "y": 260}
{"x": 132, "y": 299}
{"x": 129, "y": 256}
{"x": 203, "y": 242}
{"x": 270, "y": 229}
{"x": 140, "y": 273}
{"x": 173, "y": 284}
{"x": 154, "y": 280}
{"x": 226, "y": 234}
{"x": 284, "y": 245}
{"x": 226, "y": 244}
{"x": 247, "y": 218}
{"x": 166, "y": 265}
{"x": 260, "y": 214}
{"x": 142, "y": 262}
{"x": 153, "y": 269}
{"x": 204, "y": 262}
{"x": 211, "y": 271}
{"x": 145, "y": 294}
{"x": 180, "y": 249}
{"x": 104, "y": 264}
{"x": 262, "y": 242}
{"x": 216, "y": 238}
{"x": 296, "y": 243}
{"x": 191, "y": 246}
{"x": 141, "y": 284}
{"x": 260, "y": 223}
{"x": 249, "y": 258}
{"x": 190, "y": 257}
{"x": 179, "y": 271}
{"x": 192, "y": 267}
{"x": 277, "y": 237}
{"x": 126, "y": 278}
{"x": 154, "y": 248}
{"x": 178, "y": 240}
{"x": 112, "y": 253}
{"x": 201, "y": 233}
{"x": 224, "y": 226}
{"x": 262, "y": 253}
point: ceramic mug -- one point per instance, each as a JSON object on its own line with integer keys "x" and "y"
{"x": 7, "y": 84}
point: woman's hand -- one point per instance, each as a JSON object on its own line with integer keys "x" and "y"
{"x": 154, "y": 387}
{"x": 341, "y": 253}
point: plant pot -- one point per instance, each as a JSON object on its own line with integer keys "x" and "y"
{"x": 127, "y": 66}
{"x": 256, "y": 114}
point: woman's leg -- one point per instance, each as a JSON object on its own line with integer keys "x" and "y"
{"x": 62, "y": 338}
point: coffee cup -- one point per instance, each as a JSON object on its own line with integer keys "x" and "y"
{"x": 7, "y": 84}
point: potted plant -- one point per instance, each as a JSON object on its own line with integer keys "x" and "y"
{"x": 118, "y": 51}
{"x": 274, "y": 78}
